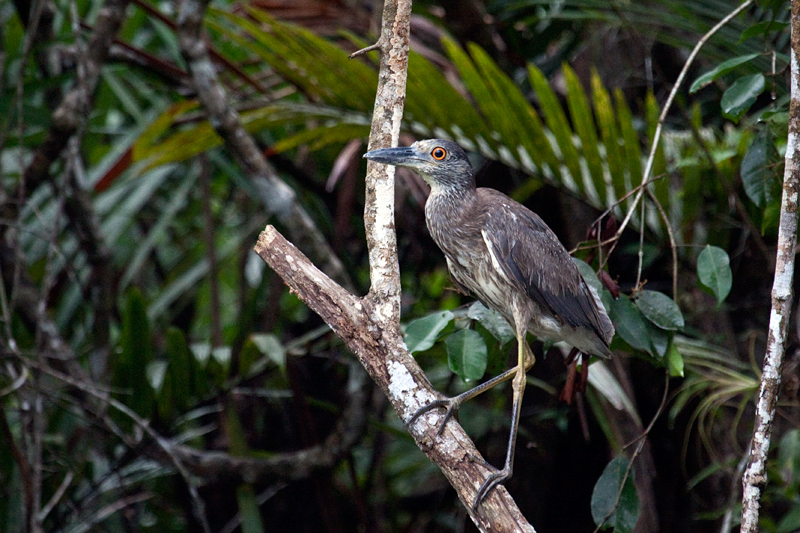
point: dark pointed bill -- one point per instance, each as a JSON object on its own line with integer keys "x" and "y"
{"x": 393, "y": 156}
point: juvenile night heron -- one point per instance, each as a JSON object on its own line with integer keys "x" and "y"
{"x": 505, "y": 255}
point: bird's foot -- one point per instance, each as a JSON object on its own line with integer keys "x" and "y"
{"x": 497, "y": 477}
{"x": 450, "y": 404}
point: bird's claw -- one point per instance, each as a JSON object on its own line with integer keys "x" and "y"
{"x": 448, "y": 403}
{"x": 495, "y": 478}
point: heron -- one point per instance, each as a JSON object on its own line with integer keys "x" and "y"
{"x": 506, "y": 256}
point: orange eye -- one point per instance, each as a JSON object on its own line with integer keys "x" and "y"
{"x": 438, "y": 153}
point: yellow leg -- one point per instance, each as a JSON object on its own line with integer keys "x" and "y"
{"x": 525, "y": 360}
{"x": 453, "y": 404}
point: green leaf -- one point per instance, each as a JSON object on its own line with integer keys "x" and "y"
{"x": 674, "y": 362}
{"x": 589, "y": 275}
{"x": 182, "y": 373}
{"x": 584, "y": 126}
{"x": 719, "y": 70}
{"x": 422, "y": 332}
{"x": 659, "y": 341}
{"x": 762, "y": 28}
{"x": 466, "y": 354}
{"x": 136, "y": 352}
{"x": 269, "y": 345}
{"x": 741, "y": 95}
{"x": 606, "y": 121}
{"x": 623, "y": 513}
{"x": 714, "y": 272}
{"x": 789, "y": 456}
{"x": 660, "y": 309}
{"x": 558, "y": 124}
{"x": 493, "y": 321}
{"x": 790, "y": 522}
{"x": 759, "y": 177}
{"x": 631, "y": 325}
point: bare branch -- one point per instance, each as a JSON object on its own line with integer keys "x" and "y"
{"x": 755, "y": 475}
{"x": 382, "y": 352}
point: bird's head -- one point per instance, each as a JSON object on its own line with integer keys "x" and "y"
{"x": 442, "y": 164}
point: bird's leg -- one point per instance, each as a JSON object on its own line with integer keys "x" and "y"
{"x": 453, "y": 404}
{"x": 524, "y": 355}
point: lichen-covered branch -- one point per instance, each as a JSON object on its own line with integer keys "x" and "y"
{"x": 382, "y": 352}
{"x": 755, "y": 475}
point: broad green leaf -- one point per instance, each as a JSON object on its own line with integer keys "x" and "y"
{"x": 719, "y": 70}
{"x": 762, "y": 28}
{"x": 674, "y": 362}
{"x": 589, "y": 275}
{"x": 759, "y": 177}
{"x": 422, "y": 332}
{"x": 660, "y": 309}
{"x": 492, "y": 321}
{"x": 466, "y": 354}
{"x": 741, "y": 95}
{"x": 714, "y": 272}
{"x": 631, "y": 325}
{"x": 583, "y": 124}
{"x": 659, "y": 341}
{"x": 623, "y": 513}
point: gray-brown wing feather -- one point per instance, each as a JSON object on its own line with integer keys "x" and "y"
{"x": 530, "y": 253}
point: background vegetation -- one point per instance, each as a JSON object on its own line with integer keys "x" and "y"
{"x": 156, "y": 375}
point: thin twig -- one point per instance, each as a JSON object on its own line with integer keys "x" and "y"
{"x": 639, "y": 441}
{"x": 673, "y": 246}
{"x": 662, "y": 118}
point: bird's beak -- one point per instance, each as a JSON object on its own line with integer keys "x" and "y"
{"x": 402, "y": 156}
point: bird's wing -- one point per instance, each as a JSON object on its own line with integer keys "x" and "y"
{"x": 527, "y": 251}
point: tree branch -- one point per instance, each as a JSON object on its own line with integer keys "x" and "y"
{"x": 755, "y": 476}
{"x": 382, "y": 352}
{"x": 279, "y": 199}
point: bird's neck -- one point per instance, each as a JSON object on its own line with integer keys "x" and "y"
{"x": 447, "y": 208}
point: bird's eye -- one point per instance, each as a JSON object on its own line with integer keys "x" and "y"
{"x": 438, "y": 153}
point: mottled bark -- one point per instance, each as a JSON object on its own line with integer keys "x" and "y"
{"x": 755, "y": 475}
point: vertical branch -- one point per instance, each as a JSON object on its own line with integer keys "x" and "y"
{"x": 755, "y": 476}
{"x": 384, "y": 132}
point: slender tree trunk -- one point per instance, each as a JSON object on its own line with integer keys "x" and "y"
{"x": 755, "y": 476}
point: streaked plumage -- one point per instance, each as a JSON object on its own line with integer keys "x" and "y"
{"x": 504, "y": 254}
